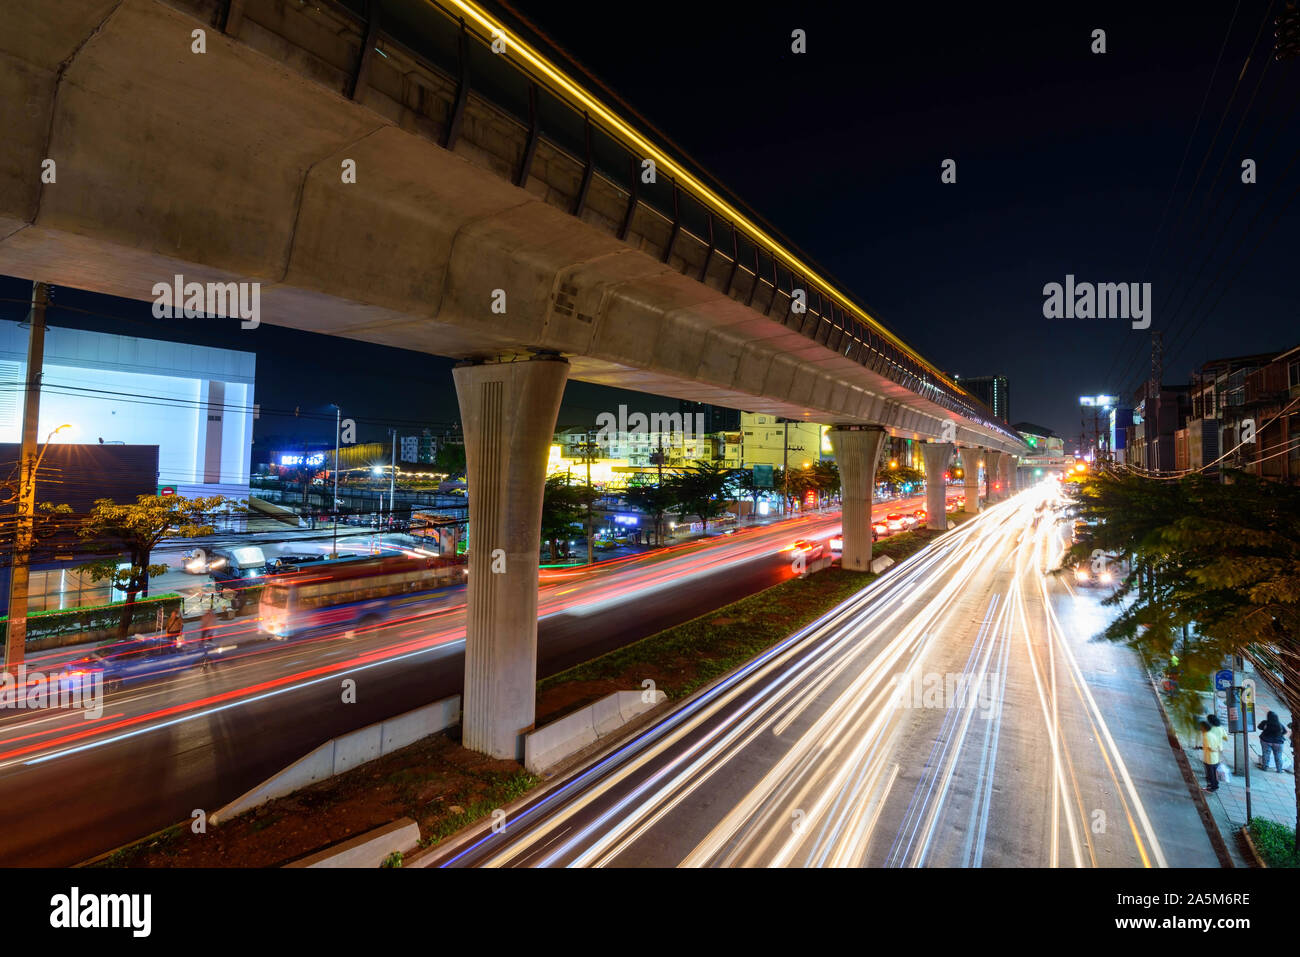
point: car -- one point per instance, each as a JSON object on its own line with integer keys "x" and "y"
{"x": 811, "y": 550}
{"x": 236, "y": 564}
{"x": 1082, "y": 532}
{"x": 1086, "y": 576}
{"x": 920, "y": 515}
{"x": 894, "y": 522}
{"x": 138, "y": 658}
{"x": 878, "y": 530}
{"x": 837, "y": 542}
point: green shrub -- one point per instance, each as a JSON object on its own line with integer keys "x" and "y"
{"x": 91, "y": 618}
{"x": 1275, "y": 842}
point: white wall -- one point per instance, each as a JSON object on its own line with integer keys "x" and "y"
{"x": 139, "y": 392}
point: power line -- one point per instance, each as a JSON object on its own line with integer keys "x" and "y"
{"x": 1173, "y": 188}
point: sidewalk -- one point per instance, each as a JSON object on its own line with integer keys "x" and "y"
{"x": 1272, "y": 795}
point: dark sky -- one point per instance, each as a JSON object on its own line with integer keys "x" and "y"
{"x": 1067, "y": 162}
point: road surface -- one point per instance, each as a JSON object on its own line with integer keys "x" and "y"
{"x": 71, "y": 788}
{"x": 954, "y": 714}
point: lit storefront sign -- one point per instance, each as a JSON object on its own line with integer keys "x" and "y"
{"x": 290, "y": 460}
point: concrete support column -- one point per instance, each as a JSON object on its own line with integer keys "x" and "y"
{"x": 857, "y": 451}
{"x": 994, "y": 491}
{"x": 508, "y": 411}
{"x": 1009, "y": 471}
{"x": 970, "y": 463}
{"x": 937, "y": 456}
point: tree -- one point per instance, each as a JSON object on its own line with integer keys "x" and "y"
{"x": 450, "y": 458}
{"x": 563, "y": 506}
{"x": 898, "y": 476}
{"x": 137, "y": 528}
{"x": 652, "y": 501}
{"x": 747, "y": 485}
{"x": 798, "y": 483}
{"x": 701, "y": 490}
{"x": 1222, "y": 560}
{"x": 826, "y": 478}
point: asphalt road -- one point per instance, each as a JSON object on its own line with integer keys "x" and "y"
{"x": 954, "y": 714}
{"x": 72, "y": 788}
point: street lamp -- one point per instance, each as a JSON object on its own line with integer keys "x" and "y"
{"x": 334, "y": 506}
{"x": 45, "y": 447}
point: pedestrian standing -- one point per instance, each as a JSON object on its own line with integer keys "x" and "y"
{"x": 1271, "y": 736}
{"x": 1213, "y": 739}
{"x": 206, "y": 626}
{"x": 175, "y": 626}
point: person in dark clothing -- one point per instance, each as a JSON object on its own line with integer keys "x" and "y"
{"x": 1271, "y": 736}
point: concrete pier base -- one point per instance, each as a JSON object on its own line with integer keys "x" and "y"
{"x": 994, "y": 490}
{"x": 857, "y": 450}
{"x": 970, "y": 463}
{"x": 508, "y": 411}
{"x": 937, "y": 456}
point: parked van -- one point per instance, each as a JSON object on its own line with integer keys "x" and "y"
{"x": 234, "y": 564}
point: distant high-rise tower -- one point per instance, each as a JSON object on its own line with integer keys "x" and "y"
{"x": 716, "y": 418}
{"x": 992, "y": 391}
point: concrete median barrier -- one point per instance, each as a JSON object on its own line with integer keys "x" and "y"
{"x": 367, "y": 850}
{"x": 347, "y": 751}
{"x": 549, "y": 745}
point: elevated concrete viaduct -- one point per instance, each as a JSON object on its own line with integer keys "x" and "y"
{"x": 363, "y": 170}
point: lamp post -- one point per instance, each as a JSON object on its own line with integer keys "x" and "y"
{"x": 334, "y": 506}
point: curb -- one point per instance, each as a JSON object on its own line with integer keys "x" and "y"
{"x": 1250, "y": 846}
{"x": 90, "y": 861}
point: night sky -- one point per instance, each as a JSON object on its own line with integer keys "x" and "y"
{"x": 1067, "y": 162}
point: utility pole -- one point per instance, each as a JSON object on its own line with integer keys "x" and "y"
{"x": 785, "y": 469}
{"x": 338, "y": 415}
{"x": 591, "y": 557}
{"x": 588, "y": 449}
{"x": 1153, "y": 413}
{"x": 16, "y": 639}
{"x": 392, "y": 482}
